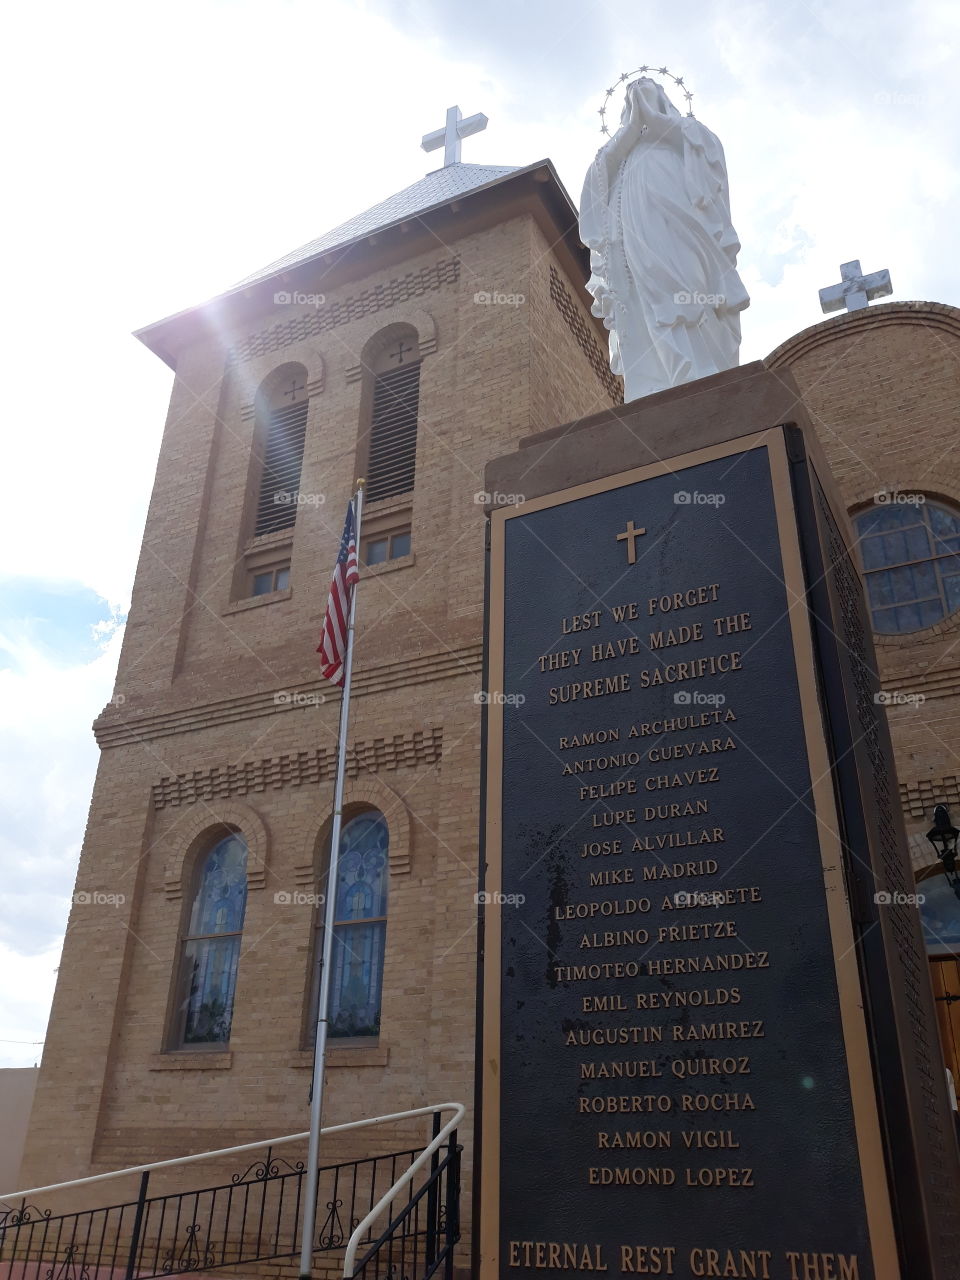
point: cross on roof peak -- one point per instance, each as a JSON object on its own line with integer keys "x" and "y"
{"x": 450, "y": 136}
{"x": 855, "y": 289}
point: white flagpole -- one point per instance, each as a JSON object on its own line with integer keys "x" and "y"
{"x": 323, "y": 1004}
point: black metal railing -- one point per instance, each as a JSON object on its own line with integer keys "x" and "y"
{"x": 421, "y": 1236}
{"x": 254, "y": 1217}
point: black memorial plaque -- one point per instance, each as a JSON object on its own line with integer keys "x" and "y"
{"x": 677, "y": 1076}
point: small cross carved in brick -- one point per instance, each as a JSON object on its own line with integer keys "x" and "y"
{"x": 294, "y": 390}
{"x": 399, "y": 352}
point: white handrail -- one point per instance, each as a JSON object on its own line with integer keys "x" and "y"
{"x": 247, "y": 1146}
{"x": 353, "y": 1243}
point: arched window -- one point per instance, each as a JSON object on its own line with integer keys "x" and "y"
{"x": 210, "y": 947}
{"x": 911, "y": 558}
{"x": 359, "y": 931}
{"x": 273, "y": 488}
{"x": 394, "y": 409}
{"x": 939, "y": 913}
{"x": 282, "y": 405}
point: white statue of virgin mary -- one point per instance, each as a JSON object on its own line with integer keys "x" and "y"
{"x": 655, "y": 215}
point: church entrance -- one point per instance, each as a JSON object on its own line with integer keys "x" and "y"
{"x": 940, "y": 915}
{"x": 945, "y": 976}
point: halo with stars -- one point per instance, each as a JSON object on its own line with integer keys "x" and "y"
{"x": 628, "y": 75}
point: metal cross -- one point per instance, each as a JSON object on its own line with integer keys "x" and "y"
{"x": 400, "y": 352}
{"x": 294, "y": 389}
{"x": 450, "y": 135}
{"x": 855, "y": 289}
{"x": 630, "y": 536}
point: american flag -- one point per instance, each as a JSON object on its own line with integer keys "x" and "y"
{"x": 333, "y": 638}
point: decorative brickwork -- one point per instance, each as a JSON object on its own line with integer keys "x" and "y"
{"x": 920, "y": 798}
{"x": 319, "y": 765}
{"x": 331, "y": 315}
{"x": 588, "y": 343}
{"x": 237, "y": 817}
{"x": 119, "y": 726}
{"x": 368, "y": 792}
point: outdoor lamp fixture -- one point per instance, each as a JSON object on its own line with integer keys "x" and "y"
{"x": 943, "y": 835}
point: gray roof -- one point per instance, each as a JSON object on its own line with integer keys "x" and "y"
{"x": 435, "y": 189}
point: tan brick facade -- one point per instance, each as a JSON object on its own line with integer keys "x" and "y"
{"x": 883, "y": 386}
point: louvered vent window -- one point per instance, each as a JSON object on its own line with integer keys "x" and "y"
{"x": 393, "y": 432}
{"x": 280, "y": 486}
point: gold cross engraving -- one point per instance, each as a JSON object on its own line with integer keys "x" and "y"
{"x": 630, "y": 535}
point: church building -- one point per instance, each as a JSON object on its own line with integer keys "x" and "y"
{"x": 409, "y": 346}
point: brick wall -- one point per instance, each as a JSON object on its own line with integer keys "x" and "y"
{"x": 883, "y": 386}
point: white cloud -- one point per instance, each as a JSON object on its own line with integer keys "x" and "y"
{"x": 25, "y": 996}
{"x": 47, "y": 768}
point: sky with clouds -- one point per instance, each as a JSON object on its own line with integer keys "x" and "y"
{"x": 157, "y": 154}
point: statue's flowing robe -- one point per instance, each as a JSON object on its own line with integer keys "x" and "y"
{"x": 655, "y": 215}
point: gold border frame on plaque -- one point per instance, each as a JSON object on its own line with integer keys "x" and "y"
{"x": 862, "y": 1089}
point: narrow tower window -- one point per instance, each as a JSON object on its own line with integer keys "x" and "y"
{"x": 392, "y": 452}
{"x": 286, "y": 429}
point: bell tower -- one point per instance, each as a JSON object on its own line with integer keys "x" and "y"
{"x": 411, "y": 344}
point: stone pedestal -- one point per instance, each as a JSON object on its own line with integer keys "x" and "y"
{"x": 708, "y": 1038}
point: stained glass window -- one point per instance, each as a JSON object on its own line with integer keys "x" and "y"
{"x": 211, "y": 946}
{"x": 911, "y": 559}
{"x": 939, "y": 915}
{"x": 360, "y": 927}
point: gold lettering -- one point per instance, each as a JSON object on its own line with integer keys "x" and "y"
{"x": 562, "y": 658}
{"x": 711, "y": 1177}
{"x": 676, "y": 635}
{"x": 595, "y": 739}
{"x": 603, "y": 1176}
{"x": 683, "y": 599}
{"x": 732, "y": 623}
{"x": 581, "y": 622}
{"x": 589, "y": 689}
{"x": 623, "y": 875}
{"x": 823, "y": 1266}
{"x": 603, "y": 907}
{"x": 743, "y": 1264}
{"x": 752, "y": 1030}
